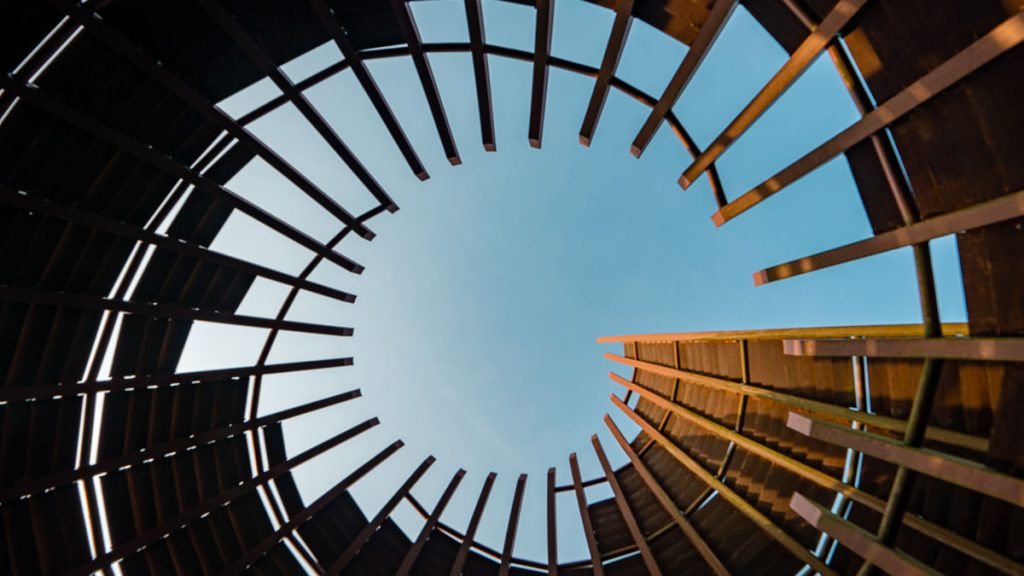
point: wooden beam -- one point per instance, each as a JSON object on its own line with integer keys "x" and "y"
{"x": 597, "y": 568}
{"x": 714, "y": 24}
{"x": 474, "y": 522}
{"x": 407, "y": 23}
{"x": 953, "y": 469}
{"x": 627, "y": 514}
{"x": 264, "y": 546}
{"x": 477, "y": 42}
{"x": 987, "y": 349}
{"x": 884, "y": 331}
{"x": 858, "y": 540}
{"x": 996, "y": 42}
{"x": 541, "y": 53}
{"x": 688, "y": 529}
{"x": 798, "y": 62}
{"x": 726, "y": 493}
{"x": 815, "y": 407}
{"x": 980, "y": 215}
{"x": 428, "y": 527}
{"x": 552, "y": 526}
{"x": 513, "y": 526}
{"x": 354, "y": 60}
{"x": 610, "y": 62}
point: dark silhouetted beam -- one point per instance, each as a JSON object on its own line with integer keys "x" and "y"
{"x": 588, "y": 526}
{"x": 355, "y": 61}
{"x": 694, "y": 57}
{"x": 477, "y": 41}
{"x": 627, "y": 513}
{"x": 474, "y": 523}
{"x": 419, "y": 59}
{"x": 996, "y": 42}
{"x": 95, "y": 25}
{"x": 364, "y": 535}
{"x": 59, "y": 109}
{"x": 513, "y": 526}
{"x": 541, "y": 54}
{"x": 612, "y": 54}
{"x": 798, "y": 63}
{"x": 552, "y": 525}
{"x": 429, "y": 525}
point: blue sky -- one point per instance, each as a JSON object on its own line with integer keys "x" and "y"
{"x": 482, "y": 297}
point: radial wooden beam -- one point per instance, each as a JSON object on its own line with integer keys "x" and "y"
{"x": 264, "y": 546}
{"x": 474, "y": 523}
{"x": 252, "y": 49}
{"x": 81, "y": 217}
{"x": 996, "y": 42}
{"x": 407, "y": 23}
{"x": 541, "y": 54}
{"x": 212, "y": 503}
{"x": 858, "y": 540}
{"x": 727, "y": 494}
{"x": 477, "y": 42}
{"x": 709, "y": 30}
{"x": 513, "y": 526}
{"x": 883, "y": 331}
{"x": 429, "y": 525}
{"x": 588, "y": 526}
{"x": 978, "y": 216}
{"x": 552, "y": 525}
{"x": 687, "y": 528}
{"x": 612, "y": 54}
{"x": 147, "y": 154}
{"x": 986, "y": 349}
{"x": 354, "y": 60}
{"x": 86, "y": 17}
{"x": 173, "y": 311}
{"x": 953, "y": 469}
{"x": 627, "y": 514}
{"x": 798, "y": 62}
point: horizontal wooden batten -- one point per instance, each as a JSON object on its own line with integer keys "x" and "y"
{"x": 953, "y": 469}
{"x": 987, "y": 349}
{"x": 858, "y": 540}
{"x": 984, "y": 214}
{"x": 881, "y": 331}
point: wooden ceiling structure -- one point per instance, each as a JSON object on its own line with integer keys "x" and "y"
{"x": 838, "y": 451}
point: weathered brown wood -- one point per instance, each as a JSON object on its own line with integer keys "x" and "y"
{"x": 987, "y": 349}
{"x": 541, "y": 53}
{"x": 884, "y": 331}
{"x": 797, "y": 64}
{"x": 858, "y": 540}
{"x": 666, "y": 502}
{"x": 588, "y": 526}
{"x": 627, "y": 514}
{"x": 474, "y": 522}
{"x": 477, "y": 42}
{"x": 714, "y": 24}
{"x": 998, "y": 41}
{"x": 513, "y": 526}
{"x": 429, "y": 525}
{"x": 552, "y": 525}
{"x": 610, "y": 62}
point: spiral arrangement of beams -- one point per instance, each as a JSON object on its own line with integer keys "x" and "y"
{"x": 829, "y": 450}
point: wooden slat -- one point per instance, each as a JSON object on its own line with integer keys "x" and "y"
{"x": 798, "y": 62}
{"x": 513, "y": 526}
{"x": 883, "y": 331}
{"x": 983, "y": 214}
{"x": 477, "y": 42}
{"x": 552, "y": 525}
{"x": 796, "y": 402}
{"x": 474, "y": 523}
{"x": 354, "y": 60}
{"x": 429, "y": 525}
{"x": 709, "y": 30}
{"x": 364, "y": 535}
{"x": 858, "y": 540}
{"x": 999, "y": 40}
{"x": 426, "y": 75}
{"x": 588, "y": 526}
{"x": 612, "y": 54}
{"x": 541, "y": 53}
{"x": 627, "y": 514}
{"x": 726, "y": 493}
{"x": 987, "y": 349}
{"x": 666, "y": 502}
{"x": 955, "y": 470}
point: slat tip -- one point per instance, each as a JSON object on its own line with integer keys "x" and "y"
{"x": 760, "y": 277}
{"x": 490, "y": 147}
{"x": 535, "y": 142}
{"x": 718, "y": 219}
{"x": 585, "y": 141}
{"x": 454, "y": 160}
{"x": 684, "y": 182}
{"x": 635, "y": 150}
{"x": 423, "y": 175}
